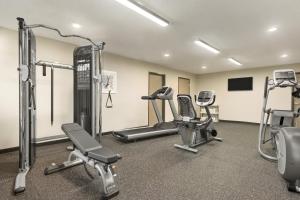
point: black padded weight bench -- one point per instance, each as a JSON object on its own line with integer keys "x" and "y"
{"x": 87, "y": 150}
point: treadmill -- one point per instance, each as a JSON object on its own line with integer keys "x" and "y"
{"x": 161, "y": 127}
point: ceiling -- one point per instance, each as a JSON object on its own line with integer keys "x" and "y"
{"x": 236, "y": 27}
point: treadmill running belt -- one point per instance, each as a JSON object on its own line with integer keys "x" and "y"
{"x": 139, "y": 133}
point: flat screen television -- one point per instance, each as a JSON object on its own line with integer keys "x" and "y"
{"x": 240, "y": 84}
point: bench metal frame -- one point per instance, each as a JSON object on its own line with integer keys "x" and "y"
{"x": 105, "y": 171}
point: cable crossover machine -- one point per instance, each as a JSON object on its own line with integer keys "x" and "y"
{"x": 87, "y": 108}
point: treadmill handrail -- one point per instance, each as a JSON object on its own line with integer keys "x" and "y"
{"x": 147, "y": 97}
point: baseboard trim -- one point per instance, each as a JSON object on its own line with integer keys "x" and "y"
{"x": 107, "y": 133}
{"x": 51, "y": 140}
{"x": 240, "y": 122}
{"x": 41, "y": 142}
{"x": 7, "y": 150}
{"x": 46, "y": 141}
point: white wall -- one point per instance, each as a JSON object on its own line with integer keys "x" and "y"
{"x": 129, "y": 110}
{"x": 63, "y": 88}
{"x": 245, "y": 105}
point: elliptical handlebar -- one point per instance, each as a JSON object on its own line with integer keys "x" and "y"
{"x": 281, "y": 84}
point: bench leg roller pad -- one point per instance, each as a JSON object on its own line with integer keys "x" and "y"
{"x": 105, "y": 171}
{"x": 108, "y": 179}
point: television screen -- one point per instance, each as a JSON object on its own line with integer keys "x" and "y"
{"x": 240, "y": 84}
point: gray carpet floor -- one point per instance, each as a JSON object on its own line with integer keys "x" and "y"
{"x": 154, "y": 169}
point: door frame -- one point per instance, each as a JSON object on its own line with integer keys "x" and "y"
{"x": 163, "y": 84}
{"x": 179, "y": 77}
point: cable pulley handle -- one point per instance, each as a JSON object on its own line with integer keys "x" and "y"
{"x": 109, "y": 99}
{"x": 33, "y": 97}
{"x": 52, "y": 95}
{"x": 44, "y": 70}
{"x": 266, "y": 87}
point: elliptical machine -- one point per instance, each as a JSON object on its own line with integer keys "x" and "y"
{"x": 193, "y": 131}
{"x": 285, "y": 138}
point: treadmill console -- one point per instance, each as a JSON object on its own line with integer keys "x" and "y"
{"x": 165, "y": 93}
{"x": 284, "y": 78}
{"x": 206, "y": 98}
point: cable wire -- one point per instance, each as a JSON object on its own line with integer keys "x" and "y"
{"x": 100, "y": 46}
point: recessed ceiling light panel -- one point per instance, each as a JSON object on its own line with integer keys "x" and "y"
{"x": 203, "y": 67}
{"x": 272, "y": 29}
{"x": 284, "y": 56}
{"x": 207, "y": 46}
{"x": 235, "y": 61}
{"x": 166, "y": 55}
{"x": 144, "y": 12}
{"x": 75, "y": 25}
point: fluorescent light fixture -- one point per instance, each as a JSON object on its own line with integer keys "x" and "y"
{"x": 144, "y": 12}
{"x": 75, "y": 25}
{"x": 207, "y": 46}
{"x": 235, "y": 61}
{"x": 272, "y": 29}
{"x": 166, "y": 55}
{"x": 284, "y": 55}
{"x": 203, "y": 67}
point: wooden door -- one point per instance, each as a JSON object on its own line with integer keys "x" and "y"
{"x": 156, "y": 81}
{"x": 183, "y": 86}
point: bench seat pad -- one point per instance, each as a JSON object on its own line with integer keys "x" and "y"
{"x": 87, "y": 145}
